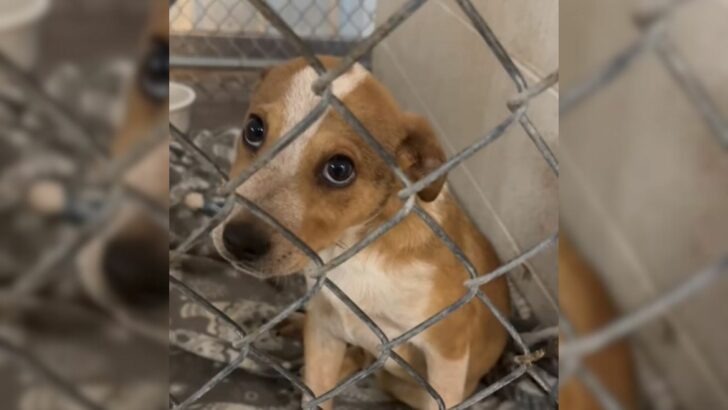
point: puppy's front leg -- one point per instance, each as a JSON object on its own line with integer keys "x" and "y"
{"x": 447, "y": 375}
{"x": 323, "y": 355}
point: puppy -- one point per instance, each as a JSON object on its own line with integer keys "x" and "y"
{"x": 124, "y": 268}
{"x": 330, "y": 189}
{"x": 587, "y": 306}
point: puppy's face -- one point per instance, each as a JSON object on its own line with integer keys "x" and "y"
{"x": 328, "y": 185}
{"x": 125, "y": 264}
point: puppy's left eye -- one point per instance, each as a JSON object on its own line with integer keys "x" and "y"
{"x": 254, "y": 132}
{"x": 154, "y": 71}
{"x": 339, "y": 171}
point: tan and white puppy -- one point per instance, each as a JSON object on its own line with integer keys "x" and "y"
{"x": 124, "y": 268}
{"x": 586, "y": 304}
{"x": 330, "y": 189}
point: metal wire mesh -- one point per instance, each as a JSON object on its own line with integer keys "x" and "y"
{"x": 231, "y": 33}
{"x": 322, "y": 86}
{"x": 651, "y": 40}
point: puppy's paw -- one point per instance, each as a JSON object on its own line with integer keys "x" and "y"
{"x": 292, "y": 326}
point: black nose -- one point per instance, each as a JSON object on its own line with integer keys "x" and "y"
{"x": 246, "y": 242}
{"x": 135, "y": 273}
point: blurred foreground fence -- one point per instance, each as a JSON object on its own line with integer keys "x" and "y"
{"x": 652, "y": 23}
{"x": 45, "y": 137}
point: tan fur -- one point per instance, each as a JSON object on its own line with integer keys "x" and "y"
{"x": 586, "y": 304}
{"x": 402, "y": 278}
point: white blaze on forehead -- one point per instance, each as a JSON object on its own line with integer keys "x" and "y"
{"x": 298, "y": 101}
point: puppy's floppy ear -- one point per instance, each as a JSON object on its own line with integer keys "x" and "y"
{"x": 264, "y": 73}
{"x": 420, "y": 153}
{"x": 261, "y": 76}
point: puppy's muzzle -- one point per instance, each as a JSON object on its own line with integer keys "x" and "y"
{"x": 246, "y": 242}
{"x": 136, "y": 273}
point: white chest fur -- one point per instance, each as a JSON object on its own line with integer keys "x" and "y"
{"x": 396, "y": 299}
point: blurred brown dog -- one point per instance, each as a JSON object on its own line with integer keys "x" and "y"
{"x": 124, "y": 267}
{"x": 586, "y": 304}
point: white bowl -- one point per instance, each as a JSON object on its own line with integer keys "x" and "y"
{"x": 181, "y": 98}
{"x": 19, "y": 29}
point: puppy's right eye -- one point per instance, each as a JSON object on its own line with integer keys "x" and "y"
{"x": 254, "y": 132}
{"x": 339, "y": 171}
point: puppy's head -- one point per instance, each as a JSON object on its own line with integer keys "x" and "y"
{"x": 328, "y": 186}
{"x": 125, "y": 264}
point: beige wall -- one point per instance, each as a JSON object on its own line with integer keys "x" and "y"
{"x": 644, "y": 187}
{"x": 437, "y": 65}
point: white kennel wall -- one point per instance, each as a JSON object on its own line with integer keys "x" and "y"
{"x": 435, "y": 65}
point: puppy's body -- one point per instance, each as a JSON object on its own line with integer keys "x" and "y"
{"x": 588, "y": 307}
{"x": 401, "y": 279}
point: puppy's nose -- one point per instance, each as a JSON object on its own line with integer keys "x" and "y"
{"x": 246, "y": 242}
{"x": 135, "y": 273}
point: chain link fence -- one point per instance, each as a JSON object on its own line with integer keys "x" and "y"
{"x": 217, "y": 45}
{"x": 651, "y": 22}
{"x": 518, "y": 106}
{"x": 90, "y": 202}
{"x": 22, "y": 288}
